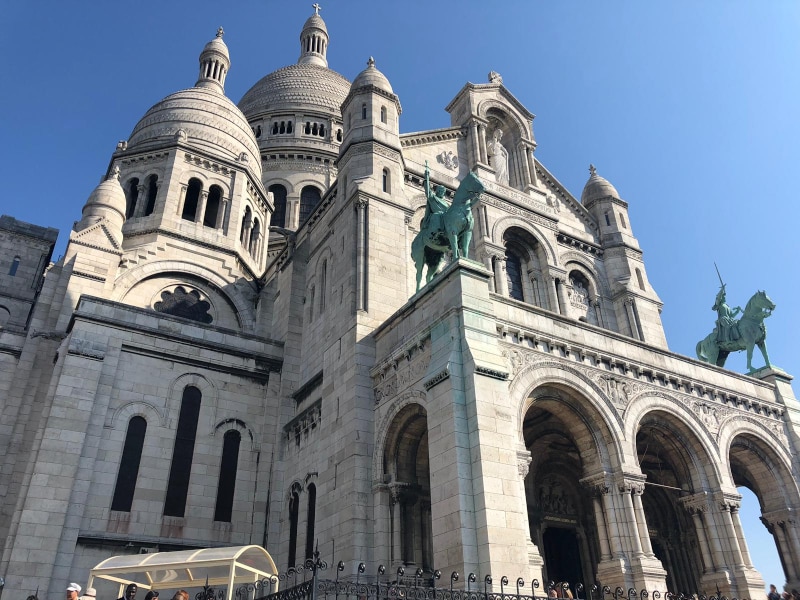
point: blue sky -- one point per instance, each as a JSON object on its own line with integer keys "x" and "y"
{"x": 689, "y": 108}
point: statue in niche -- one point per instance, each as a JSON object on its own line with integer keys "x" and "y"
{"x": 730, "y": 335}
{"x": 445, "y": 227}
{"x": 499, "y": 157}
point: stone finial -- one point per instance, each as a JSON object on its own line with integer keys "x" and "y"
{"x": 220, "y": 32}
{"x": 495, "y": 77}
{"x": 316, "y": 7}
{"x": 592, "y": 170}
{"x": 114, "y": 173}
{"x": 371, "y": 62}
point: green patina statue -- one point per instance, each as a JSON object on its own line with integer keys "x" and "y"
{"x": 445, "y": 226}
{"x": 730, "y": 335}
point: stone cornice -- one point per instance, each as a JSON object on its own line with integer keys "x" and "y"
{"x": 433, "y": 136}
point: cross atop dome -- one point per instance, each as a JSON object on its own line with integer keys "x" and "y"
{"x": 316, "y": 7}
{"x": 592, "y": 170}
{"x": 220, "y": 32}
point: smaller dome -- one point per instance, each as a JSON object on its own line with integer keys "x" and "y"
{"x": 315, "y": 21}
{"x": 106, "y": 201}
{"x": 597, "y": 187}
{"x": 217, "y": 45}
{"x": 371, "y": 76}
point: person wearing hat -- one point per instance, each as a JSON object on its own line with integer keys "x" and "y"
{"x": 73, "y": 591}
{"x": 130, "y": 592}
{"x": 89, "y": 594}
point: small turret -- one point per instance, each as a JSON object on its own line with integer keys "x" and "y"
{"x": 215, "y": 61}
{"x": 107, "y": 201}
{"x": 602, "y": 200}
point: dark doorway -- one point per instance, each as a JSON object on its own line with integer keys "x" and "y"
{"x": 562, "y": 555}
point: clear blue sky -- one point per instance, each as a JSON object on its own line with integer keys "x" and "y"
{"x": 689, "y": 108}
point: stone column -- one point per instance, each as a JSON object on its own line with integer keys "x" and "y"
{"x": 484, "y": 157}
{"x": 727, "y": 505}
{"x": 737, "y": 525}
{"x": 395, "y": 532}
{"x": 634, "y": 533}
{"x": 562, "y": 298}
{"x": 629, "y": 312}
{"x": 223, "y": 208}
{"x": 696, "y": 506}
{"x": 597, "y": 488}
{"x": 596, "y": 305}
{"x": 522, "y": 150}
{"x": 141, "y": 201}
{"x": 361, "y": 250}
{"x": 487, "y": 262}
{"x": 201, "y": 207}
{"x": 475, "y": 144}
{"x": 181, "y": 199}
{"x": 500, "y": 283}
{"x": 641, "y": 521}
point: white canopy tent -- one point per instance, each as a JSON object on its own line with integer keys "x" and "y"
{"x": 230, "y": 567}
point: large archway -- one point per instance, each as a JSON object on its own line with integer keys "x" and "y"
{"x": 564, "y": 450}
{"x": 407, "y": 464}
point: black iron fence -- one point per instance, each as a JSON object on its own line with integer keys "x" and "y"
{"x": 305, "y": 582}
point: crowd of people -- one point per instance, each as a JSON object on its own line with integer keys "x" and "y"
{"x": 74, "y": 593}
{"x": 774, "y": 594}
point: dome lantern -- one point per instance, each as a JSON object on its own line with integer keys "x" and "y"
{"x": 314, "y": 40}
{"x": 215, "y": 61}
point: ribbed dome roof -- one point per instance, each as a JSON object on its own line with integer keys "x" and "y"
{"x": 296, "y": 86}
{"x": 597, "y": 187}
{"x": 208, "y": 119}
{"x": 107, "y": 201}
{"x": 372, "y": 76}
{"x": 315, "y": 21}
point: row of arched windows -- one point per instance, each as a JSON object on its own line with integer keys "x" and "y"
{"x": 181, "y": 464}
{"x": 140, "y": 198}
{"x": 314, "y": 129}
{"x": 294, "y": 521}
{"x": 203, "y": 207}
{"x": 315, "y": 44}
{"x": 282, "y": 127}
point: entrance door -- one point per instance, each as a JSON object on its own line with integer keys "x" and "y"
{"x": 562, "y": 556}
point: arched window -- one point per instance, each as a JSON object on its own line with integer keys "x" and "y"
{"x": 338, "y": 135}
{"x": 255, "y": 236}
{"x": 294, "y": 511}
{"x": 383, "y": 114}
{"x": 227, "y": 476}
{"x": 213, "y": 205}
{"x": 131, "y": 194}
{"x": 152, "y": 190}
{"x": 192, "y": 198}
{"x": 387, "y": 182}
{"x": 14, "y": 266}
{"x": 608, "y": 221}
{"x": 275, "y": 128}
{"x": 309, "y": 198}
{"x": 129, "y": 465}
{"x": 307, "y": 129}
{"x": 283, "y": 127}
{"x": 182, "y": 453}
{"x": 639, "y": 279}
{"x": 5, "y": 316}
{"x": 311, "y": 296}
{"x": 289, "y": 127}
{"x": 622, "y": 221}
{"x": 364, "y": 111}
{"x": 311, "y": 516}
{"x": 279, "y": 196}
{"x": 514, "y": 275}
{"x": 323, "y": 285}
{"x": 247, "y": 222}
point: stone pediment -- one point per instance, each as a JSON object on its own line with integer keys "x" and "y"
{"x": 97, "y": 236}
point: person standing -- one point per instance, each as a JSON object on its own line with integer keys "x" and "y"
{"x": 130, "y": 592}
{"x": 773, "y": 591}
{"x": 73, "y": 591}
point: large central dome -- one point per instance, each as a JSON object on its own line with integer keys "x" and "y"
{"x": 296, "y": 86}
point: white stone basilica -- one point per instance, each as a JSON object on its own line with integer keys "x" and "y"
{"x": 231, "y": 351}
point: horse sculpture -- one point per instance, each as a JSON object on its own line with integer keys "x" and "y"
{"x": 448, "y": 230}
{"x": 751, "y": 332}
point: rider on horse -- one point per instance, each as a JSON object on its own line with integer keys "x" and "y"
{"x": 436, "y": 204}
{"x": 726, "y": 329}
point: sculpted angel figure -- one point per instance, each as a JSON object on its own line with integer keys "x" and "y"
{"x": 499, "y": 156}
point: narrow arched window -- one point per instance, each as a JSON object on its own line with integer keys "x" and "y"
{"x": 255, "y": 236}
{"x": 338, "y": 135}
{"x": 131, "y": 194}
{"x": 514, "y": 276}
{"x": 283, "y": 127}
{"x": 383, "y": 114}
{"x": 311, "y": 297}
{"x": 227, "y": 476}
{"x": 258, "y": 132}
{"x": 387, "y": 182}
{"x": 182, "y": 453}
{"x": 289, "y": 127}
{"x": 640, "y": 279}
{"x": 322, "y": 130}
{"x": 314, "y": 129}
{"x": 608, "y": 221}
{"x": 279, "y": 197}
{"x": 307, "y": 129}
{"x": 247, "y": 222}
{"x": 129, "y": 465}
{"x": 309, "y": 198}
{"x": 294, "y": 510}
{"x": 213, "y": 205}
{"x": 14, "y": 266}
{"x": 192, "y": 198}
{"x": 622, "y": 221}
{"x": 275, "y": 128}
{"x": 152, "y": 190}
{"x": 323, "y": 285}
{"x": 311, "y": 516}
{"x": 364, "y": 111}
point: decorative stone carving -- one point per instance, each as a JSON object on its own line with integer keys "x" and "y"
{"x": 448, "y": 159}
{"x": 181, "y": 302}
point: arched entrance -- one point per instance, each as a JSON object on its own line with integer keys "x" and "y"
{"x": 560, "y": 510}
{"x": 407, "y": 467}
